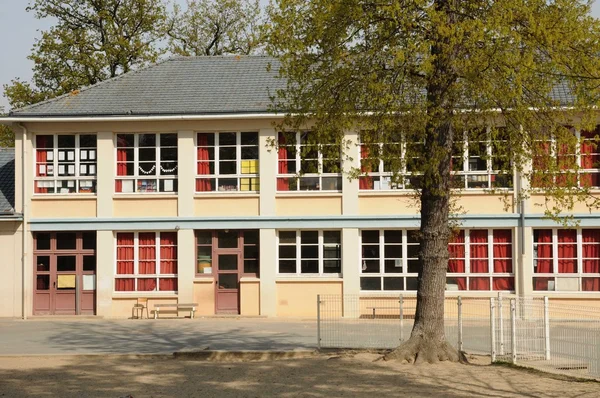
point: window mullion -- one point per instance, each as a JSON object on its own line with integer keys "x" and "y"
{"x": 298, "y": 253}
{"x": 157, "y": 257}
{"x": 488, "y": 151}
{"x": 238, "y": 159}
{"x": 217, "y": 165}
{"x": 490, "y": 251}
{"x": 320, "y": 242}
{"x": 580, "y": 257}
{"x": 157, "y": 151}
{"x": 136, "y": 248}
{"x": 381, "y": 253}
{"x": 404, "y": 253}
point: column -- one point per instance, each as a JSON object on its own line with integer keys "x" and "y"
{"x": 105, "y": 270}
{"x": 268, "y": 272}
{"x": 186, "y": 265}
{"x": 350, "y": 187}
{"x": 105, "y": 174}
{"x": 524, "y": 240}
{"x": 186, "y": 173}
{"x": 350, "y": 269}
{"x": 268, "y": 172}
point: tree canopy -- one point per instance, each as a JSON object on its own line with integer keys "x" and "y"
{"x": 425, "y": 77}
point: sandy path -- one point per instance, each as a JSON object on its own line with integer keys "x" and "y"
{"x": 110, "y": 376}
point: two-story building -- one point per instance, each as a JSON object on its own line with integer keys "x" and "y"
{"x": 163, "y": 185}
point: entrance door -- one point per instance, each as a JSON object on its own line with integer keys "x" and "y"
{"x": 228, "y": 283}
{"x": 65, "y": 272}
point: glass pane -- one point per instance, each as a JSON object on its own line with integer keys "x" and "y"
{"x": 393, "y": 266}
{"x": 393, "y": 251}
{"x": 543, "y": 284}
{"x": 42, "y": 282}
{"x": 309, "y": 237}
{"x": 250, "y": 252}
{"x": 370, "y": 266}
{"x": 412, "y": 251}
{"x": 228, "y": 281}
{"x": 43, "y": 263}
{"x": 66, "y": 141}
{"x": 227, "y": 139}
{"x": 287, "y": 251}
{"x": 309, "y": 266}
{"x": 287, "y": 266}
{"x": 412, "y": 236}
{"x": 251, "y": 237}
{"x": 89, "y": 240}
{"x": 65, "y": 263}
{"x": 287, "y": 236}
{"x": 89, "y": 263}
{"x": 227, "y": 239}
{"x": 125, "y": 141}
{"x": 204, "y": 237}
{"x": 42, "y": 241}
{"x": 251, "y": 266}
{"x": 370, "y": 251}
{"x": 393, "y": 283}
{"x": 87, "y": 141}
{"x": 228, "y": 262}
{"x": 168, "y": 140}
{"x": 413, "y": 266}
{"x": 332, "y": 266}
{"x": 412, "y": 283}
{"x": 309, "y": 252}
{"x": 332, "y": 252}
{"x": 370, "y": 236}
{"x": 66, "y": 241}
{"x": 249, "y": 138}
{"x": 393, "y": 236}
{"x": 147, "y": 140}
{"x": 332, "y": 237}
{"x": 370, "y": 283}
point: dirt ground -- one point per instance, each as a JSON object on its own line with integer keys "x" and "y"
{"x": 324, "y": 376}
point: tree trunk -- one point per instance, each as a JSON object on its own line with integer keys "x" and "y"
{"x": 427, "y": 342}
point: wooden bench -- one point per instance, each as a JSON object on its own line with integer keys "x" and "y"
{"x": 175, "y": 308}
{"x": 407, "y": 313}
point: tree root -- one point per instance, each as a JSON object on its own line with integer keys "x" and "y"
{"x": 419, "y": 350}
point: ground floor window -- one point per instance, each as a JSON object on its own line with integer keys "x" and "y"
{"x": 211, "y": 243}
{"x": 146, "y": 262}
{"x": 566, "y": 259}
{"x": 310, "y": 252}
{"x": 479, "y": 259}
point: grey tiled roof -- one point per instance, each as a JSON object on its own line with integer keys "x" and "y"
{"x": 183, "y": 85}
{"x": 7, "y": 180}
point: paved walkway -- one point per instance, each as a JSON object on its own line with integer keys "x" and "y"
{"x": 100, "y": 336}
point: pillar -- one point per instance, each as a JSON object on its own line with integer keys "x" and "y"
{"x": 268, "y": 272}
{"x": 105, "y": 174}
{"x": 105, "y": 263}
{"x": 186, "y": 174}
{"x": 186, "y": 265}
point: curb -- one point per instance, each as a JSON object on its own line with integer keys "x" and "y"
{"x": 222, "y": 355}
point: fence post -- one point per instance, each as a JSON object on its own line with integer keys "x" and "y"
{"x": 319, "y": 321}
{"x": 501, "y": 322}
{"x": 401, "y": 318}
{"x": 460, "y": 325}
{"x": 547, "y": 328}
{"x": 513, "y": 331}
{"x": 493, "y": 329}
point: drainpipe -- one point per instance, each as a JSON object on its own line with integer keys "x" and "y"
{"x": 24, "y": 226}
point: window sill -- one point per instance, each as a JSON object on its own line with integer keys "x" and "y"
{"x": 145, "y": 195}
{"x": 303, "y": 194}
{"x": 71, "y": 196}
{"x": 130, "y": 295}
{"x": 226, "y": 194}
{"x": 411, "y": 192}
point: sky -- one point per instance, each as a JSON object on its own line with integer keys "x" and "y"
{"x": 19, "y": 29}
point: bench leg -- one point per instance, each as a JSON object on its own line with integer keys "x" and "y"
{"x": 373, "y": 313}
{"x": 192, "y": 314}
{"x": 156, "y": 313}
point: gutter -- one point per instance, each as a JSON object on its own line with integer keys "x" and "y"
{"x": 149, "y": 118}
{"x": 24, "y": 226}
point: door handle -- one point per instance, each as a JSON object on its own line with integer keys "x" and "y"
{"x": 55, "y": 284}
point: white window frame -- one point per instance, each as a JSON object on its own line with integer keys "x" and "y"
{"x": 298, "y": 258}
{"x": 238, "y": 176}
{"x": 405, "y": 274}
{"x": 136, "y": 275}
{"x": 299, "y": 175}
{"x": 555, "y": 274}
{"x": 77, "y": 178}
{"x": 138, "y": 175}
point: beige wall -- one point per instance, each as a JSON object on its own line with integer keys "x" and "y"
{"x": 299, "y": 298}
{"x": 10, "y": 263}
{"x": 63, "y": 208}
{"x": 122, "y": 306}
{"x": 226, "y": 206}
{"x": 204, "y": 295}
{"x": 387, "y": 205}
{"x": 145, "y": 206}
{"x": 309, "y": 206}
{"x": 537, "y": 205}
{"x": 250, "y": 298}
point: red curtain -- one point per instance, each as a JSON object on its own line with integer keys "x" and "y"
{"x": 591, "y": 250}
{"x": 504, "y": 283}
{"x": 456, "y": 263}
{"x": 167, "y": 284}
{"x": 147, "y": 253}
{"x": 502, "y": 251}
{"x": 365, "y": 182}
{"x": 125, "y": 285}
{"x": 567, "y": 251}
{"x": 203, "y": 184}
{"x": 589, "y": 159}
{"x": 42, "y": 143}
{"x": 168, "y": 253}
{"x": 478, "y": 250}
{"x": 544, "y": 251}
{"x": 146, "y": 285}
{"x": 121, "y": 164}
{"x": 540, "y": 165}
{"x": 125, "y": 252}
{"x": 591, "y": 284}
{"x": 283, "y": 184}
{"x": 479, "y": 283}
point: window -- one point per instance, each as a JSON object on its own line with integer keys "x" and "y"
{"x": 146, "y": 262}
{"x": 566, "y": 259}
{"x": 210, "y": 242}
{"x": 480, "y": 160}
{"x": 478, "y": 260}
{"x": 310, "y": 252}
{"x": 227, "y": 162}
{"x": 574, "y": 163}
{"x": 307, "y": 166}
{"x": 65, "y": 164}
{"x": 146, "y": 163}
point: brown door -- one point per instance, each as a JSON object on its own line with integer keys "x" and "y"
{"x": 65, "y": 272}
{"x": 227, "y": 255}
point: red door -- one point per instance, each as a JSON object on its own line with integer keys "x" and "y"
{"x": 226, "y": 256}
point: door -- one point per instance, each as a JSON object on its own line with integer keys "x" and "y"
{"x": 64, "y": 273}
{"x": 227, "y": 254}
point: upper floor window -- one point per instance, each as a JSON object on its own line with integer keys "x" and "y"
{"x": 146, "y": 163}
{"x": 480, "y": 159}
{"x": 306, "y": 166}
{"x": 227, "y": 162}
{"x": 566, "y": 259}
{"x": 65, "y": 164}
{"x": 576, "y": 162}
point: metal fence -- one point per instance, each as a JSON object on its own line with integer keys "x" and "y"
{"x": 530, "y": 331}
